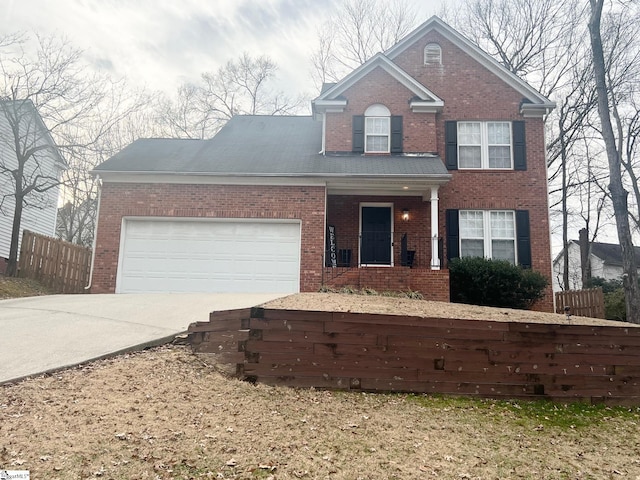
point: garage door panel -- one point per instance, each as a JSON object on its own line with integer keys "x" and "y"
{"x": 209, "y": 256}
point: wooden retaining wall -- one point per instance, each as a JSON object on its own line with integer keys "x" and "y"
{"x": 387, "y": 353}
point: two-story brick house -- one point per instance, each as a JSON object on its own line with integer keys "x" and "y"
{"x": 429, "y": 151}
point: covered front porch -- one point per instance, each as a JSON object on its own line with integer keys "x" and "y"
{"x": 385, "y": 238}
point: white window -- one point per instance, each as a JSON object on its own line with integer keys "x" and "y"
{"x": 485, "y": 145}
{"x": 432, "y": 54}
{"x": 489, "y": 234}
{"x": 377, "y": 129}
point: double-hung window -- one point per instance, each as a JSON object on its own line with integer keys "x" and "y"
{"x": 485, "y": 145}
{"x": 488, "y": 233}
{"x": 377, "y": 129}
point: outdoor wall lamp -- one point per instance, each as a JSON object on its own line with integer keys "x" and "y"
{"x": 405, "y": 214}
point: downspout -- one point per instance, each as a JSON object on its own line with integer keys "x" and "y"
{"x": 95, "y": 233}
{"x": 324, "y": 131}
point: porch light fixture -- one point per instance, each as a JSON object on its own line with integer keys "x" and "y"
{"x": 405, "y": 214}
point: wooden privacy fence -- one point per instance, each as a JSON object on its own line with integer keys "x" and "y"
{"x": 585, "y": 303}
{"x": 357, "y": 351}
{"x": 62, "y": 266}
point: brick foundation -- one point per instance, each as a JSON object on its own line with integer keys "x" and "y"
{"x": 432, "y": 284}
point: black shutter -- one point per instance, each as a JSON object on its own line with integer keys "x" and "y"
{"x": 519, "y": 146}
{"x": 453, "y": 235}
{"x": 396, "y": 134}
{"x": 358, "y": 134}
{"x": 451, "y": 148}
{"x": 523, "y": 238}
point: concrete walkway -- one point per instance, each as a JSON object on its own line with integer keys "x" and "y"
{"x": 41, "y": 334}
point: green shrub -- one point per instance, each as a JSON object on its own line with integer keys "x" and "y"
{"x": 608, "y": 286}
{"x": 615, "y": 307}
{"x": 494, "y": 283}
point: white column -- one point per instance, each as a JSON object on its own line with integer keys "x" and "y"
{"x": 435, "y": 259}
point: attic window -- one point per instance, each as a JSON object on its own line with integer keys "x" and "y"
{"x": 432, "y": 54}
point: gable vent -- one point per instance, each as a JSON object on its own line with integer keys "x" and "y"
{"x": 432, "y": 54}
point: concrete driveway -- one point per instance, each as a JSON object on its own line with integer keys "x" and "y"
{"x": 40, "y": 334}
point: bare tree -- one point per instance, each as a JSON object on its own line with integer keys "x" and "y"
{"x": 47, "y": 86}
{"x": 30, "y": 167}
{"x": 535, "y": 39}
{"x": 542, "y": 41}
{"x": 44, "y": 79}
{"x": 185, "y": 115}
{"x": 244, "y": 87}
{"x": 241, "y": 87}
{"x": 355, "y": 32}
{"x": 119, "y": 118}
{"x": 616, "y": 187}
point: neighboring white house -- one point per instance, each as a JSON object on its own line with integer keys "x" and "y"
{"x": 606, "y": 262}
{"x": 39, "y": 215}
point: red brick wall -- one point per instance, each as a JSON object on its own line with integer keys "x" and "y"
{"x": 343, "y": 211}
{"x": 419, "y": 129}
{"x": 213, "y": 201}
{"x": 432, "y": 284}
{"x": 472, "y": 92}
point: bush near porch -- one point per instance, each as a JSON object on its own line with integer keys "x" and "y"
{"x": 494, "y": 283}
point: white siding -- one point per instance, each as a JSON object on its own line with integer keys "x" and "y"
{"x": 40, "y": 217}
{"x": 598, "y": 269}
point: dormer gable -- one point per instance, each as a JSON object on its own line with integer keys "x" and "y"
{"x": 533, "y": 103}
{"x": 331, "y": 98}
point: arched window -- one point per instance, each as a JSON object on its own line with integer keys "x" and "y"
{"x": 377, "y": 129}
{"x": 432, "y": 54}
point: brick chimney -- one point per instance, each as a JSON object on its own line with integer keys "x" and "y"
{"x": 585, "y": 258}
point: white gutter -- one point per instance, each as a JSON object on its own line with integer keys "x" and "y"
{"x": 95, "y": 235}
{"x": 324, "y": 132}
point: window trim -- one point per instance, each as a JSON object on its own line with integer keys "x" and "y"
{"x": 487, "y": 235}
{"x": 431, "y": 49}
{"x": 484, "y": 144}
{"x": 377, "y": 111}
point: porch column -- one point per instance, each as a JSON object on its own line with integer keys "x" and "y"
{"x": 435, "y": 259}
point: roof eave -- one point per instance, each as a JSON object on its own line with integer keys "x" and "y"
{"x": 328, "y": 106}
{"x": 379, "y": 60}
{"x": 107, "y": 174}
{"x": 426, "y": 107}
{"x": 536, "y": 109}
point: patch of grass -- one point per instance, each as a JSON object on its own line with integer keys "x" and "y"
{"x": 541, "y": 413}
{"x": 21, "y": 287}
{"x": 349, "y": 290}
{"x": 413, "y": 295}
{"x": 326, "y": 289}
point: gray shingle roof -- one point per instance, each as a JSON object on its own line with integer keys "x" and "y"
{"x": 264, "y": 146}
{"x": 610, "y": 253}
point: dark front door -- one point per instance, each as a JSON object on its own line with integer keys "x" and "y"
{"x": 375, "y": 247}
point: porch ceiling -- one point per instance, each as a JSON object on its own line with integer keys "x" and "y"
{"x": 408, "y": 187}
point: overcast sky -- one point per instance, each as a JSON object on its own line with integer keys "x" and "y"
{"x": 161, "y": 43}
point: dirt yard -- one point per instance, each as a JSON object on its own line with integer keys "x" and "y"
{"x": 165, "y": 413}
{"x": 421, "y": 308}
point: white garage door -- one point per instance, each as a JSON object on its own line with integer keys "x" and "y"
{"x": 223, "y": 256}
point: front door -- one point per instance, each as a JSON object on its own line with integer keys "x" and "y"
{"x": 375, "y": 244}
